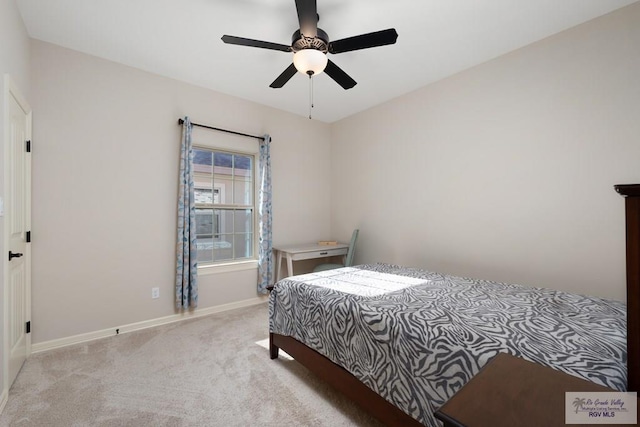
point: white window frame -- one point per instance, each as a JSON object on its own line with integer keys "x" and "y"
{"x": 232, "y": 145}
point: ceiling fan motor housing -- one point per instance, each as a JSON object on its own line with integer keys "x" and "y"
{"x": 319, "y": 42}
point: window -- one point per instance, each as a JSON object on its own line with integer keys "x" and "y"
{"x": 225, "y": 212}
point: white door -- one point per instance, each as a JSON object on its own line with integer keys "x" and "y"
{"x": 17, "y": 223}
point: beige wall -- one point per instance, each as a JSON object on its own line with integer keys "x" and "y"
{"x": 511, "y": 165}
{"x": 14, "y": 60}
{"x": 105, "y": 189}
{"x": 14, "y": 46}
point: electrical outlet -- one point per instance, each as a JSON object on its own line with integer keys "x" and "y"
{"x": 155, "y": 293}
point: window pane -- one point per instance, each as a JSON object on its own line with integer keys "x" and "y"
{"x": 225, "y": 188}
{"x": 225, "y": 217}
{"x": 243, "y": 190}
{"x": 243, "y": 221}
{"x": 202, "y": 189}
{"x": 223, "y": 164}
{"x": 243, "y": 165}
{"x": 205, "y": 252}
{"x": 204, "y": 222}
{"x": 204, "y": 229}
{"x": 223, "y": 176}
{"x": 243, "y": 179}
{"x": 223, "y": 248}
{"x": 202, "y": 161}
{"x": 243, "y": 245}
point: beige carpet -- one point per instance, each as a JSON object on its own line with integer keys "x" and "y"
{"x": 209, "y": 371}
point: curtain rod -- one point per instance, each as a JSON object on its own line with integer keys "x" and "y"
{"x": 181, "y": 121}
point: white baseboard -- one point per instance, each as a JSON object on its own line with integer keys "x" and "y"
{"x": 90, "y": 336}
{"x": 3, "y": 400}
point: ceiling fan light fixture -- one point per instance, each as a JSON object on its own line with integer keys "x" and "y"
{"x": 310, "y": 61}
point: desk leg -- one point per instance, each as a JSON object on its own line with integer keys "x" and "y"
{"x": 289, "y": 265}
{"x": 278, "y": 273}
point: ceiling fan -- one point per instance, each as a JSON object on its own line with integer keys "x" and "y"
{"x": 311, "y": 44}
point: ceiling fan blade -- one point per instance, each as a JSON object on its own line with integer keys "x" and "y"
{"x": 364, "y": 41}
{"x": 308, "y": 17}
{"x": 255, "y": 43}
{"x": 284, "y": 77}
{"x": 339, "y": 76}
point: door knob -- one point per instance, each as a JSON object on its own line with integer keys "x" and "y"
{"x": 12, "y": 255}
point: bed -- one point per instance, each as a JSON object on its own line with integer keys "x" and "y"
{"x": 401, "y": 341}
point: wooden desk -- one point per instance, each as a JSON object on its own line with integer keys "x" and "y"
{"x": 510, "y": 391}
{"x": 307, "y": 251}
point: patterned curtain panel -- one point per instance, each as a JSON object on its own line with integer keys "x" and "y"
{"x": 187, "y": 265}
{"x": 265, "y": 251}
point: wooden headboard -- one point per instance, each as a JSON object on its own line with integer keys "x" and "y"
{"x": 631, "y": 193}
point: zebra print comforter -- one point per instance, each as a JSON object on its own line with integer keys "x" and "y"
{"x": 416, "y": 337}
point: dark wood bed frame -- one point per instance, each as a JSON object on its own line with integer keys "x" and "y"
{"x": 631, "y": 193}
{"x": 352, "y": 388}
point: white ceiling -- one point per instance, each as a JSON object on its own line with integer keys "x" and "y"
{"x": 181, "y": 39}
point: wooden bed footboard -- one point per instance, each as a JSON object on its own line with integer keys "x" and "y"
{"x": 631, "y": 193}
{"x": 341, "y": 380}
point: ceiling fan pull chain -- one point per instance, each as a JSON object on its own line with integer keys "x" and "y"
{"x": 310, "y": 95}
